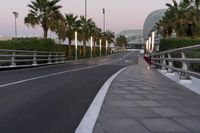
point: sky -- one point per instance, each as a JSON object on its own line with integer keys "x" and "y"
{"x": 120, "y": 14}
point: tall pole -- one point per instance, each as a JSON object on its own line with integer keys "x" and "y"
{"x": 106, "y": 47}
{"x": 104, "y": 20}
{"x": 153, "y": 40}
{"x": 86, "y": 9}
{"x": 76, "y": 45}
{"x": 100, "y": 47}
{"x": 15, "y": 15}
{"x": 91, "y": 45}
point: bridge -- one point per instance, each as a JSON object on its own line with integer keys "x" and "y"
{"x": 111, "y": 94}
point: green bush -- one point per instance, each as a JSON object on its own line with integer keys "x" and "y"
{"x": 32, "y": 44}
{"x": 167, "y": 44}
{"x": 35, "y": 44}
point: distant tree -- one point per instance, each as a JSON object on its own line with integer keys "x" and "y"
{"x": 121, "y": 41}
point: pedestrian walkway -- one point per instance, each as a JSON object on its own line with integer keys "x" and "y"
{"x": 144, "y": 101}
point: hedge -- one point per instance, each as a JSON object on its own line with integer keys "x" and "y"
{"x": 35, "y": 44}
{"x": 168, "y": 44}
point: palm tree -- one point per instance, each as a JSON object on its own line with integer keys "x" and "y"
{"x": 72, "y": 25}
{"x": 60, "y": 29}
{"x": 86, "y": 26}
{"x": 44, "y": 13}
{"x": 121, "y": 41}
{"x": 184, "y": 18}
{"x": 97, "y": 35}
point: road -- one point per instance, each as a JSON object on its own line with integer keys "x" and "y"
{"x": 54, "y": 99}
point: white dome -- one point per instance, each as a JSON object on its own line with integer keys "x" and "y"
{"x": 151, "y": 20}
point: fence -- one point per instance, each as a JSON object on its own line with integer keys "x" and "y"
{"x": 166, "y": 61}
{"x": 20, "y": 58}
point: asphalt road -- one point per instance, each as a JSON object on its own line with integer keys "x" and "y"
{"x": 54, "y": 99}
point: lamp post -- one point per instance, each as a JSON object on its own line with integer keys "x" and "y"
{"x": 104, "y": 20}
{"x": 86, "y": 9}
{"x": 106, "y": 47}
{"x": 91, "y": 45}
{"x": 149, "y": 43}
{"x": 16, "y": 16}
{"x": 76, "y": 45}
{"x": 153, "y": 40}
{"x": 100, "y": 47}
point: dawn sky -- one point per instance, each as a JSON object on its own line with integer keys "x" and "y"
{"x": 120, "y": 14}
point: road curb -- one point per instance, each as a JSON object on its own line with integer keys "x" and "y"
{"x": 88, "y": 122}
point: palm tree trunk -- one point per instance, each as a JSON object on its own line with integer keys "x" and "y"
{"x": 94, "y": 51}
{"x": 45, "y": 33}
{"x": 84, "y": 48}
{"x": 70, "y": 48}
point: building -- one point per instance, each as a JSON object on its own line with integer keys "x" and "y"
{"x": 134, "y": 38}
{"x": 149, "y": 27}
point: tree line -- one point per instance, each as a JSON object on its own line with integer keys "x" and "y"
{"x": 181, "y": 18}
{"x": 46, "y": 13}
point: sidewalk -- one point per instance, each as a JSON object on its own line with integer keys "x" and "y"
{"x": 143, "y": 101}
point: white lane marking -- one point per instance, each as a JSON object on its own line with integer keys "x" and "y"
{"x": 54, "y": 74}
{"x": 88, "y": 122}
{"x": 49, "y": 75}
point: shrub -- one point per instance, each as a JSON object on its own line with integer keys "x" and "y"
{"x": 35, "y": 44}
{"x": 167, "y": 44}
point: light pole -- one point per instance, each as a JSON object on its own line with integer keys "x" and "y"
{"x": 100, "y": 47}
{"x": 149, "y": 43}
{"x": 106, "y": 47}
{"x": 104, "y": 19}
{"x": 85, "y": 9}
{"x": 91, "y": 45}
{"x": 76, "y": 45}
{"x": 153, "y": 41}
{"x": 16, "y": 16}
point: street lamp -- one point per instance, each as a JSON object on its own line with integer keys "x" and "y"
{"x": 91, "y": 45}
{"x": 100, "y": 47}
{"x": 106, "y": 47}
{"x": 153, "y": 40}
{"x": 104, "y": 19}
{"x": 85, "y": 9}
{"x": 76, "y": 45}
{"x": 149, "y": 43}
{"x": 16, "y": 16}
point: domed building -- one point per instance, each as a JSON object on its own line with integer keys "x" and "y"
{"x": 134, "y": 38}
{"x": 151, "y": 21}
{"x": 137, "y": 38}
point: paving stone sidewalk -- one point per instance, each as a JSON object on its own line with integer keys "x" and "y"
{"x": 143, "y": 101}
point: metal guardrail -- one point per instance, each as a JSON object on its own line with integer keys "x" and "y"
{"x": 21, "y": 58}
{"x": 165, "y": 61}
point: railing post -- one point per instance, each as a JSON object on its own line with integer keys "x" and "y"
{"x": 63, "y": 58}
{"x": 56, "y": 58}
{"x": 13, "y": 63}
{"x": 49, "y": 59}
{"x": 163, "y": 63}
{"x": 184, "y": 76}
{"x": 169, "y": 70}
{"x": 34, "y": 59}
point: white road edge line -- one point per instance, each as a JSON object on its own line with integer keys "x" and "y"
{"x": 88, "y": 122}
